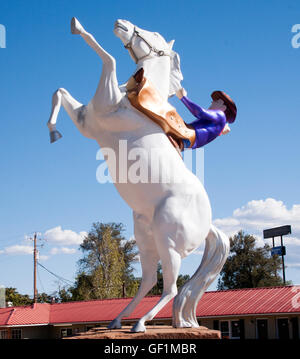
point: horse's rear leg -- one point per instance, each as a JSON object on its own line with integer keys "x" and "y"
{"x": 74, "y": 108}
{"x": 166, "y": 230}
{"x": 149, "y": 261}
{"x": 108, "y": 94}
{"x": 170, "y": 261}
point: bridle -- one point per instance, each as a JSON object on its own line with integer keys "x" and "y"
{"x": 128, "y": 46}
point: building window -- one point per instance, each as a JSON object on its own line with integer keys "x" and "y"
{"x": 224, "y": 327}
{"x": 231, "y": 329}
{"x": 3, "y": 334}
{"x": 66, "y": 332}
{"x": 16, "y": 334}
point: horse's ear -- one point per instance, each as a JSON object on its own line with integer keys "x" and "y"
{"x": 170, "y": 44}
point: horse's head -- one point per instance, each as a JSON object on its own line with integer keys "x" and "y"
{"x": 143, "y": 44}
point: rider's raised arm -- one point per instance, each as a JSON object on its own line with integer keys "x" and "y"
{"x": 196, "y": 110}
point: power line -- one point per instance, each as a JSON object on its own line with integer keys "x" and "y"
{"x": 56, "y": 275}
{"x": 41, "y": 284}
{"x": 13, "y": 240}
{"x": 14, "y": 236}
{"x": 64, "y": 280}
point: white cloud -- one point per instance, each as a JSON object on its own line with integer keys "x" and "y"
{"x": 63, "y": 250}
{"x": 258, "y": 215}
{"x": 42, "y": 257}
{"x": 17, "y": 249}
{"x": 294, "y": 265}
{"x": 64, "y": 236}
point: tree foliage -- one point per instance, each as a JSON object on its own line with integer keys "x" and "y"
{"x": 105, "y": 270}
{"x": 17, "y": 299}
{"x": 249, "y": 266}
{"x": 158, "y": 288}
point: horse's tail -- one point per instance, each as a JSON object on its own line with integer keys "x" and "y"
{"x": 185, "y": 303}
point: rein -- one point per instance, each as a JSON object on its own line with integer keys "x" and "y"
{"x": 128, "y": 46}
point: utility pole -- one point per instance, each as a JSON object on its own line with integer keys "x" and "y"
{"x": 34, "y": 269}
{"x": 282, "y": 259}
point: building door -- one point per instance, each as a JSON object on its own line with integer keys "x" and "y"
{"x": 262, "y": 328}
{"x": 235, "y": 329}
{"x": 283, "y": 328}
{"x": 295, "y": 328}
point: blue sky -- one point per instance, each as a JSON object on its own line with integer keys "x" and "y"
{"x": 251, "y": 175}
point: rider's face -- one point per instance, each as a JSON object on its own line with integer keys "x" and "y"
{"x": 218, "y": 105}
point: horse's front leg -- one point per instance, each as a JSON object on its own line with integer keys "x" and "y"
{"x": 108, "y": 94}
{"x": 75, "y": 109}
{"x": 149, "y": 259}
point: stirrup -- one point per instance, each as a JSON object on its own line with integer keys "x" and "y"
{"x": 54, "y": 136}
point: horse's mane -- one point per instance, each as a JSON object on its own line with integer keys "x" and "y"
{"x": 175, "y": 73}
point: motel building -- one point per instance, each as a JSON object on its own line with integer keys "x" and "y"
{"x": 258, "y": 313}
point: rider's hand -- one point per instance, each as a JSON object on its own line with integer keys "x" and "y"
{"x": 180, "y": 93}
{"x": 226, "y": 129}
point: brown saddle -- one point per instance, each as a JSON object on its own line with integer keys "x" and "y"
{"x": 145, "y": 98}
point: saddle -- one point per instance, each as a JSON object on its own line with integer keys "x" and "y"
{"x": 144, "y": 97}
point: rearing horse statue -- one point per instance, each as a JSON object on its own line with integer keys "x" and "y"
{"x": 171, "y": 218}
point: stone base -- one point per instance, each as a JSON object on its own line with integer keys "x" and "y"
{"x": 153, "y": 332}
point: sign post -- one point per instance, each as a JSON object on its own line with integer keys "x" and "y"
{"x": 281, "y": 250}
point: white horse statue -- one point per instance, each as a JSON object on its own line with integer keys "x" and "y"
{"x": 171, "y": 218}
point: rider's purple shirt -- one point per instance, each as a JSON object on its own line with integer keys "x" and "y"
{"x": 209, "y": 123}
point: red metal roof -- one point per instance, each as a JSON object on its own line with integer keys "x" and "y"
{"x": 29, "y": 315}
{"x": 36, "y": 314}
{"x": 240, "y": 302}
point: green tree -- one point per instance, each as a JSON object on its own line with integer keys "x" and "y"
{"x": 158, "y": 288}
{"x": 11, "y": 295}
{"x": 44, "y": 298}
{"x": 82, "y": 290}
{"x": 65, "y": 295}
{"x": 249, "y": 266}
{"x": 106, "y": 267}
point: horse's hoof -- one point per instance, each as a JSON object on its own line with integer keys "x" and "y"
{"x": 76, "y": 28}
{"x": 138, "y": 328}
{"x": 115, "y": 324}
{"x": 54, "y": 136}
